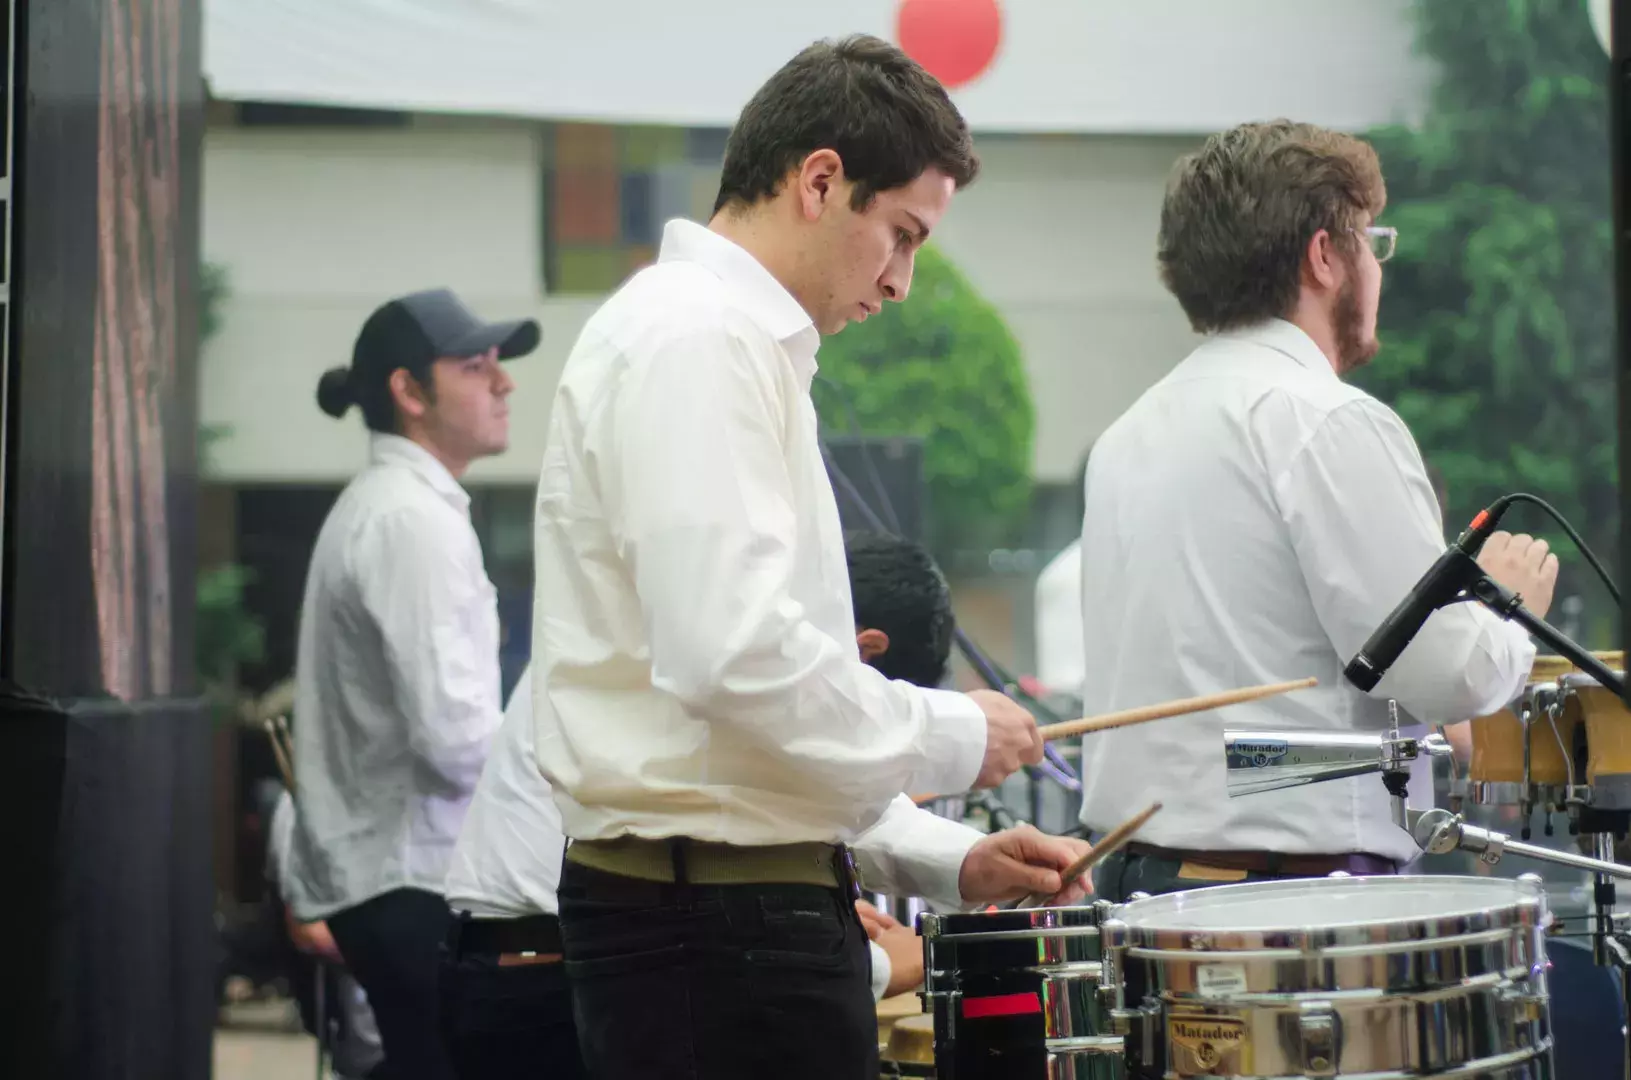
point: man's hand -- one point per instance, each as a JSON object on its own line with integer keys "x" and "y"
{"x": 875, "y": 921}
{"x": 1021, "y": 861}
{"x": 1524, "y": 565}
{"x": 313, "y": 938}
{"x": 900, "y": 943}
{"x": 1011, "y": 738}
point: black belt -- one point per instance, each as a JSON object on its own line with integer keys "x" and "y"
{"x": 529, "y": 934}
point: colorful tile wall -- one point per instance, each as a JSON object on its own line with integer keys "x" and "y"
{"x": 610, "y": 189}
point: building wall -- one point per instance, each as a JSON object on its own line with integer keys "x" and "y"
{"x": 316, "y": 226}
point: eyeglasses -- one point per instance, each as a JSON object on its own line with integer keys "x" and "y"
{"x": 1382, "y": 240}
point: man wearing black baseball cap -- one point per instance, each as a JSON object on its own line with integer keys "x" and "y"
{"x": 397, "y": 674}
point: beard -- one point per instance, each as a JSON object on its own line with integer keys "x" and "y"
{"x": 1353, "y": 350}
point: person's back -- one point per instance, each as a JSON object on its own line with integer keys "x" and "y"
{"x": 702, "y": 710}
{"x": 1254, "y": 519}
{"x": 397, "y": 672}
{"x": 360, "y": 775}
{"x": 1207, "y": 594}
{"x": 581, "y": 570}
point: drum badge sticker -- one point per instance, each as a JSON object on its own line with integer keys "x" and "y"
{"x": 1258, "y": 754}
{"x": 1205, "y": 1045}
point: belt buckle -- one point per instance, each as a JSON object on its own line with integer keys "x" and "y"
{"x": 849, "y": 880}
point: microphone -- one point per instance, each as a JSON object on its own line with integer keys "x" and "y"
{"x": 1453, "y": 571}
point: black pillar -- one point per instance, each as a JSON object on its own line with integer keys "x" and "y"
{"x": 104, "y": 749}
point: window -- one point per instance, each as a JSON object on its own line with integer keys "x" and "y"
{"x": 608, "y": 190}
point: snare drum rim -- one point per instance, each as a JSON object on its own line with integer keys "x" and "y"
{"x": 1523, "y": 911}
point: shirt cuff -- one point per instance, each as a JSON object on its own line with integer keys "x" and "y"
{"x": 912, "y": 852}
{"x": 954, "y": 744}
{"x": 882, "y": 971}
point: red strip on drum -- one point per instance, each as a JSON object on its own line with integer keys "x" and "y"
{"x": 1001, "y": 1005}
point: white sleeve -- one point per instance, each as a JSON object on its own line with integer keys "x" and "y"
{"x": 882, "y": 971}
{"x": 699, "y": 500}
{"x": 911, "y": 852}
{"x": 1365, "y": 526}
{"x": 435, "y": 614}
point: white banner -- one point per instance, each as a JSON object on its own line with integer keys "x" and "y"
{"x": 1068, "y": 66}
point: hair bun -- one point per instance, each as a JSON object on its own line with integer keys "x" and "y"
{"x": 334, "y": 392}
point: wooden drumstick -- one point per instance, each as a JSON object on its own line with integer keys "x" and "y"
{"x": 1162, "y": 711}
{"x": 1111, "y": 843}
{"x": 282, "y": 723}
{"x": 1145, "y": 713}
{"x": 284, "y": 766}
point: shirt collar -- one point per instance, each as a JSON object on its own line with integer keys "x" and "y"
{"x": 764, "y": 298}
{"x": 1285, "y": 338}
{"x": 395, "y": 450}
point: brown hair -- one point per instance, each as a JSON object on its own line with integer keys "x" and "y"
{"x": 887, "y": 119}
{"x": 1240, "y": 211}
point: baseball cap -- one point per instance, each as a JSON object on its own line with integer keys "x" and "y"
{"x": 413, "y": 332}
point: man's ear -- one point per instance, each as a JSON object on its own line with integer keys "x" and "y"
{"x": 817, "y": 182}
{"x": 873, "y": 643}
{"x": 410, "y": 397}
{"x": 1322, "y": 262}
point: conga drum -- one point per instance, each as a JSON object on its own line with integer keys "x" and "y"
{"x": 1496, "y": 772}
{"x": 892, "y": 1010}
{"x": 910, "y": 1050}
{"x": 1601, "y": 730}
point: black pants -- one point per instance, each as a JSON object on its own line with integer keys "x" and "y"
{"x": 501, "y": 1023}
{"x": 1123, "y": 873}
{"x": 392, "y": 945}
{"x": 717, "y": 982}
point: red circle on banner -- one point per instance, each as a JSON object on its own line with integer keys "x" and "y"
{"x": 955, "y": 40}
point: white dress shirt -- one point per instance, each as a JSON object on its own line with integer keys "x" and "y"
{"x": 507, "y": 862}
{"x": 697, "y": 667}
{"x": 397, "y": 684}
{"x": 1252, "y": 519}
{"x": 1059, "y": 656}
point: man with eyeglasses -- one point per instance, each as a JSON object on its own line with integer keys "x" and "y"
{"x": 1253, "y": 518}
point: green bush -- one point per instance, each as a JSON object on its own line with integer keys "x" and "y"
{"x": 226, "y": 633}
{"x": 945, "y": 367}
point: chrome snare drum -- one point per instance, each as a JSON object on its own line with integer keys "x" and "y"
{"x": 1381, "y": 977}
{"x": 1017, "y": 995}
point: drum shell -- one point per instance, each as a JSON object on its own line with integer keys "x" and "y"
{"x": 1438, "y": 994}
{"x": 1019, "y": 994}
{"x": 1607, "y": 738}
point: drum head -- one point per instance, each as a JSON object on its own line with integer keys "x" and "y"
{"x": 1327, "y": 910}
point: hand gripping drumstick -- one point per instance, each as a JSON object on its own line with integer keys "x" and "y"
{"x": 1112, "y": 842}
{"x": 1144, "y": 713}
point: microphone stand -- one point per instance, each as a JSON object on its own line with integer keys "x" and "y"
{"x": 1508, "y": 605}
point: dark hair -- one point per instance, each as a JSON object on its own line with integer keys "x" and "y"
{"x": 386, "y": 342}
{"x": 1239, "y": 214}
{"x": 864, "y": 99}
{"x": 334, "y": 392}
{"x": 897, "y": 588}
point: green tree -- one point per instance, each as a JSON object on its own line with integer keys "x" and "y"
{"x": 944, "y": 367}
{"x": 1497, "y": 317}
{"x": 226, "y": 633}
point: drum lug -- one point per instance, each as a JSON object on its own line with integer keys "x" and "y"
{"x": 1140, "y": 1028}
{"x": 1318, "y": 1025}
